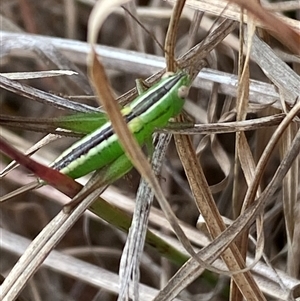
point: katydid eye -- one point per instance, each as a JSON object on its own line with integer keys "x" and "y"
{"x": 167, "y": 75}
{"x": 183, "y": 91}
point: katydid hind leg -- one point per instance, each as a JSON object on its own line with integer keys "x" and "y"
{"x": 102, "y": 178}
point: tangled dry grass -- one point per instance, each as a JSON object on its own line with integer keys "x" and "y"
{"x": 236, "y": 163}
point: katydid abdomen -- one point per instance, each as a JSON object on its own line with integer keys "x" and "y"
{"x": 147, "y": 112}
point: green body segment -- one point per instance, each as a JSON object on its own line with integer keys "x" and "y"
{"x": 149, "y": 111}
{"x": 83, "y": 122}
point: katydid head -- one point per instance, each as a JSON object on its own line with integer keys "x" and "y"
{"x": 168, "y": 74}
{"x": 179, "y": 92}
{"x": 183, "y": 92}
{"x": 184, "y": 85}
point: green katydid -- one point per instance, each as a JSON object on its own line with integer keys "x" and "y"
{"x": 150, "y": 110}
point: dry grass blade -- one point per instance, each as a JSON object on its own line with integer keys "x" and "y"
{"x": 207, "y": 45}
{"x": 291, "y": 204}
{"x": 254, "y": 114}
{"x": 72, "y": 18}
{"x": 48, "y": 238}
{"x": 38, "y": 74}
{"x": 134, "y": 31}
{"x": 215, "y": 224}
{"x": 171, "y": 35}
{"x": 243, "y": 155}
{"x": 225, "y": 127}
{"x": 58, "y": 180}
{"x": 283, "y": 32}
{"x": 46, "y": 140}
{"x": 191, "y": 270}
{"x": 66, "y": 264}
{"x": 289, "y": 29}
{"x": 261, "y": 165}
{"x": 284, "y": 78}
{"x": 146, "y": 64}
{"x": 217, "y": 149}
{"x": 42, "y": 96}
{"x": 48, "y": 54}
{"x": 132, "y": 252}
